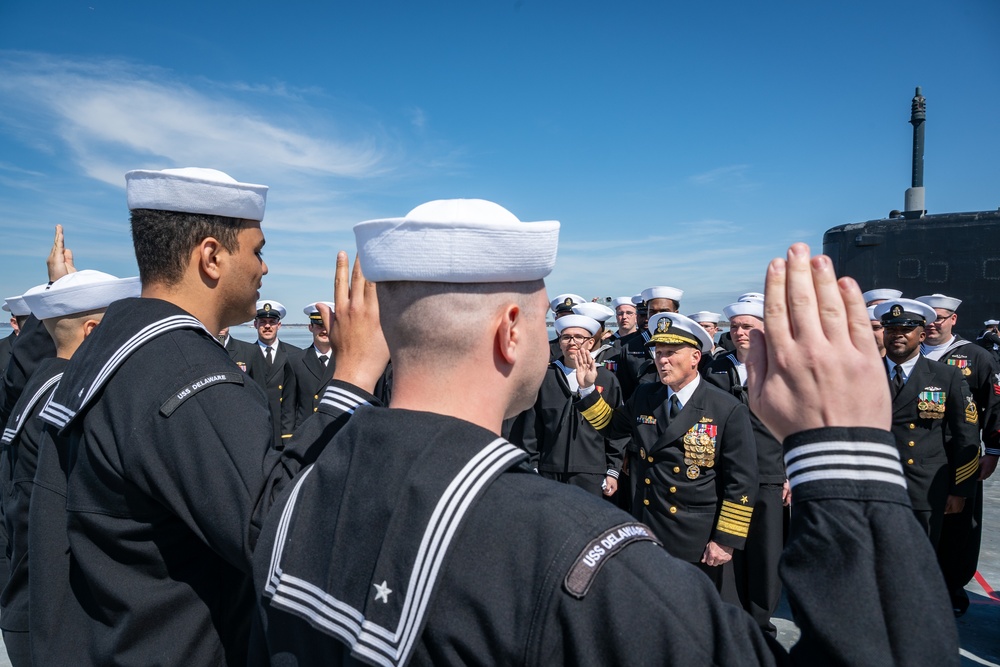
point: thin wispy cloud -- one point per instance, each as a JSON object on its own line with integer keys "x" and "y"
{"x": 113, "y": 116}
{"x": 731, "y": 177}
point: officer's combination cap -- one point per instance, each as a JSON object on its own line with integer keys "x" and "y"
{"x": 564, "y": 303}
{"x": 904, "y": 313}
{"x": 312, "y": 312}
{"x": 269, "y": 308}
{"x": 674, "y": 328}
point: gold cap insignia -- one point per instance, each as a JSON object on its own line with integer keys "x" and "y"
{"x": 568, "y": 302}
{"x": 896, "y": 311}
{"x": 267, "y": 308}
{"x": 663, "y": 325}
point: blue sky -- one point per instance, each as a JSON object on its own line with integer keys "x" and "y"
{"x": 678, "y": 143}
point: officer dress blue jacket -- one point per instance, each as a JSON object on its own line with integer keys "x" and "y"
{"x": 940, "y": 453}
{"x": 696, "y": 475}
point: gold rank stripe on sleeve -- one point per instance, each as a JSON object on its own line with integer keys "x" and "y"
{"x": 967, "y": 471}
{"x": 734, "y": 518}
{"x": 599, "y": 414}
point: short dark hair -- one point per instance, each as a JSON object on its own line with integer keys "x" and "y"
{"x": 163, "y": 240}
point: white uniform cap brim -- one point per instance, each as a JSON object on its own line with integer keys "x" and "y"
{"x": 940, "y": 301}
{"x": 457, "y": 241}
{"x": 195, "y": 190}
{"x": 749, "y": 307}
{"x": 991, "y": 323}
{"x": 80, "y": 292}
{"x": 596, "y": 311}
{"x": 911, "y": 306}
{"x": 751, "y": 296}
{"x": 880, "y": 294}
{"x": 579, "y": 321}
{"x": 871, "y": 313}
{"x": 622, "y": 301}
{"x": 662, "y": 292}
{"x": 275, "y": 309}
{"x": 637, "y": 299}
{"x": 706, "y": 316}
{"x": 15, "y": 306}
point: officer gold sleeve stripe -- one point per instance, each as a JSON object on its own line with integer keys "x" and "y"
{"x": 740, "y": 510}
{"x": 737, "y": 529}
{"x": 599, "y": 414}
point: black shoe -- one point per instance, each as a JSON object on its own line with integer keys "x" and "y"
{"x": 959, "y": 602}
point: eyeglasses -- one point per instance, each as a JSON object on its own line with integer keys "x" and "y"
{"x": 573, "y": 339}
{"x": 899, "y": 329}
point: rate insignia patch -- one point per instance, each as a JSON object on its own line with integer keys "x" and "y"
{"x": 971, "y": 413}
{"x": 599, "y": 551}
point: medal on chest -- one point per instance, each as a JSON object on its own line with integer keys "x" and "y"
{"x": 930, "y": 403}
{"x": 961, "y": 364}
{"x": 699, "y": 447}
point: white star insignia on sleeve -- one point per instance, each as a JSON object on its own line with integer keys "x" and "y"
{"x": 382, "y": 592}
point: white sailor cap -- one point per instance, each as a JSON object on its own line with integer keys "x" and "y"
{"x": 596, "y": 311}
{"x": 622, "y": 301}
{"x": 674, "y": 328}
{"x": 991, "y": 323}
{"x": 312, "y": 312}
{"x": 457, "y": 241}
{"x": 268, "y": 308}
{"x": 662, "y": 292}
{"x": 883, "y": 294}
{"x": 751, "y": 296}
{"x": 748, "y": 307}
{"x": 580, "y": 321}
{"x": 904, "y": 312}
{"x": 871, "y": 313}
{"x": 637, "y": 299}
{"x": 195, "y": 190}
{"x": 565, "y": 302}
{"x": 940, "y": 301}
{"x": 79, "y": 292}
{"x": 15, "y": 305}
{"x": 706, "y": 316}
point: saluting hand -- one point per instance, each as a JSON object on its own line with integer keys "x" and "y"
{"x": 818, "y": 364}
{"x": 60, "y": 260}
{"x": 355, "y": 329}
